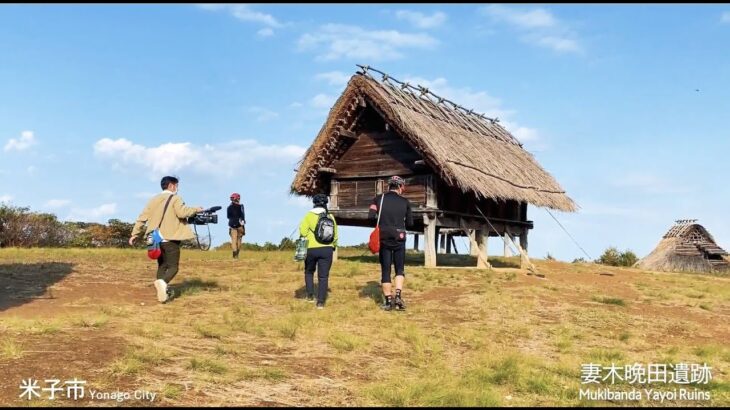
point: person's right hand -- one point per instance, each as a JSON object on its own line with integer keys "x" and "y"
{"x": 131, "y": 240}
{"x": 199, "y": 209}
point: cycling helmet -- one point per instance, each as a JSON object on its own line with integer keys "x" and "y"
{"x": 395, "y": 180}
{"x": 235, "y": 197}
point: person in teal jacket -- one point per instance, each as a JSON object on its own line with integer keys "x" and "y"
{"x": 319, "y": 255}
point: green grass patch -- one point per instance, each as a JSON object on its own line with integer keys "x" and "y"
{"x": 211, "y": 331}
{"x": 345, "y": 342}
{"x": 91, "y": 321}
{"x": 208, "y": 365}
{"x": 273, "y": 374}
{"x": 609, "y": 301}
{"x": 605, "y": 356}
{"x": 11, "y": 350}
{"x": 172, "y": 391}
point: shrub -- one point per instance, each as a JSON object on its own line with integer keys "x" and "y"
{"x": 613, "y": 257}
{"x": 628, "y": 258}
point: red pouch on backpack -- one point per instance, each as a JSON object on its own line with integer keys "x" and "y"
{"x": 374, "y": 243}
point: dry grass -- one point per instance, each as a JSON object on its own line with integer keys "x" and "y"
{"x": 238, "y": 335}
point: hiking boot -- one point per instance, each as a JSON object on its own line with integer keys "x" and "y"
{"x": 388, "y": 305}
{"x": 399, "y": 304}
{"x": 161, "y": 288}
{"x": 320, "y": 305}
{"x": 310, "y": 298}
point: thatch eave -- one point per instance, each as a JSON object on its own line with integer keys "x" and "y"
{"x": 465, "y": 151}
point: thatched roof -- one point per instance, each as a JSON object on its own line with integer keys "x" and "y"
{"x": 468, "y": 150}
{"x": 686, "y": 247}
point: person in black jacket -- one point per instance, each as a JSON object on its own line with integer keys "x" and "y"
{"x": 395, "y": 218}
{"x": 236, "y": 223}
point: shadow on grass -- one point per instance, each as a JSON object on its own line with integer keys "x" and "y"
{"x": 191, "y": 287}
{"x": 505, "y": 262}
{"x": 442, "y": 260}
{"x": 21, "y": 283}
{"x": 301, "y": 293}
{"x": 373, "y": 291}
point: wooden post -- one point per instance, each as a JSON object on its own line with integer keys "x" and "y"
{"x": 482, "y": 261}
{"x": 429, "y": 248}
{"x": 474, "y": 238}
{"x": 507, "y": 252}
{"x": 449, "y": 238}
{"x": 523, "y": 240}
{"x": 436, "y": 239}
{"x": 415, "y": 242}
{"x": 484, "y": 243}
{"x": 442, "y": 243}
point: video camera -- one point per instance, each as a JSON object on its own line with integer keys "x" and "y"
{"x": 205, "y": 217}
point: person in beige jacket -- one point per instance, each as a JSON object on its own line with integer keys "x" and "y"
{"x": 173, "y": 228}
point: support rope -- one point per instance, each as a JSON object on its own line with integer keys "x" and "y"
{"x": 569, "y": 235}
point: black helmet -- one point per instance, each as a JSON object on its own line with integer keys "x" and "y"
{"x": 320, "y": 200}
{"x": 396, "y": 181}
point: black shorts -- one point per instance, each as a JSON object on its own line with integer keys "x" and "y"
{"x": 392, "y": 255}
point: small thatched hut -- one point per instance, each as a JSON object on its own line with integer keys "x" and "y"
{"x": 686, "y": 247}
{"x": 458, "y": 164}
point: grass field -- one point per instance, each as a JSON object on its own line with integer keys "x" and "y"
{"x": 239, "y": 333}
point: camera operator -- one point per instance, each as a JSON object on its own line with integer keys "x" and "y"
{"x": 168, "y": 211}
{"x": 236, "y": 223}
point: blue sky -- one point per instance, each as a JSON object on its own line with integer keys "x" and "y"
{"x": 626, "y": 105}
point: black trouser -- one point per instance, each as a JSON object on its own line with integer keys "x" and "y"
{"x": 167, "y": 263}
{"x": 392, "y": 254}
{"x": 321, "y": 260}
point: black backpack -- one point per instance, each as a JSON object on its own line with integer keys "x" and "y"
{"x": 324, "y": 232}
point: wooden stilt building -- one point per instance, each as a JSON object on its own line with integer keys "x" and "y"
{"x": 465, "y": 173}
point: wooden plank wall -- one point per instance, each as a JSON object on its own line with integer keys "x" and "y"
{"x": 377, "y": 154}
{"x": 360, "y": 193}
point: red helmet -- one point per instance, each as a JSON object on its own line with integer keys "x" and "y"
{"x": 235, "y": 197}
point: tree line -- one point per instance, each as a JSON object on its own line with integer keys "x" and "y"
{"x": 21, "y": 227}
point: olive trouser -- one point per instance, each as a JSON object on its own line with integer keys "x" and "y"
{"x": 236, "y": 237}
{"x": 167, "y": 263}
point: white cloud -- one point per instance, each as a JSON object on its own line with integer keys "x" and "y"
{"x": 265, "y": 32}
{"x": 57, "y": 203}
{"x": 338, "y": 41}
{"x": 5, "y": 199}
{"x": 649, "y": 184}
{"x": 26, "y": 140}
{"x": 323, "y": 101}
{"x": 480, "y": 102}
{"x": 334, "y": 78}
{"x": 535, "y": 18}
{"x": 220, "y": 159}
{"x": 245, "y": 13}
{"x": 725, "y": 18}
{"x": 539, "y": 27}
{"x": 559, "y": 44}
{"x": 421, "y": 20}
{"x": 98, "y": 214}
{"x": 263, "y": 114}
{"x": 296, "y": 104}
